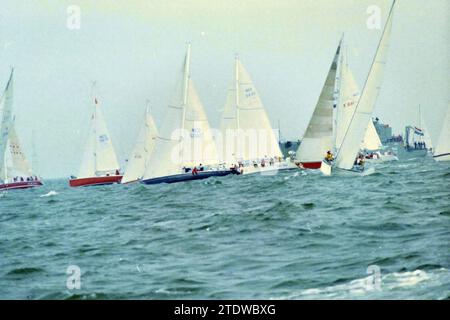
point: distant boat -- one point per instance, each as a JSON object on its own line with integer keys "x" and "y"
{"x": 442, "y": 149}
{"x": 372, "y": 147}
{"x": 15, "y": 172}
{"x": 417, "y": 140}
{"x": 371, "y": 141}
{"x": 184, "y": 148}
{"x": 248, "y": 139}
{"x": 354, "y": 133}
{"x": 142, "y": 150}
{"x": 99, "y": 165}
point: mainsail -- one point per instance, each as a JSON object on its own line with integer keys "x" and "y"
{"x": 6, "y": 103}
{"x": 363, "y": 112}
{"x": 318, "y": 138}
{"x": 185, "y": 137}
{"x": 349, "y": 96}
{"x": 371, "y": 139}
{"x": 442, "y": 149}
{"x": 20, "y": 166}
{"x": 245, "y": 126}
{"x": 99, "y": 157}
{"x": 142, "y": 150}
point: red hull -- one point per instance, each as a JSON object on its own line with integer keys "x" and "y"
{"x": 312, "y": 165}
{"x": 94, "y": 181}
{"x": 20, "y": 185}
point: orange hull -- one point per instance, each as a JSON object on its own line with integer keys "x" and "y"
{"x": 94, "y": 181}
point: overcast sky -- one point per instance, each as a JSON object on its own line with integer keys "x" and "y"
{"x": 134, "y": 48}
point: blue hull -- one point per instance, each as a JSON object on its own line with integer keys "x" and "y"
{"x": 188, "y": 177}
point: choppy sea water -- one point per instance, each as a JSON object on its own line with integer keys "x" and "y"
{"x": 294, "y": 235}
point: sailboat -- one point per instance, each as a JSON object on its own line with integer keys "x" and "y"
{"x": 15, "y": 172}
{"x": 99, "y": 165}
{"x": 319, "y": 135}
{"x": 142, "y": 150}
{"x": 354, "y": 133}
{"x": 417, "y": 140}
{"x": 184, "y": 148}
{"x": 442, "y": 149}
{"x": 372, "y": 146}
{"x": 371, "y": 141}
{"x": 248, "y": 140}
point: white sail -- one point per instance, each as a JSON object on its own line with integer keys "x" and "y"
{"x": 99, "y": 156}
{"x": 371, "y": 139}
{"x": 20, "y": 166}
{"x": 106, "y": 160}
{"x": 87, "y": 167}
{"x": 185, "y": 137}
{"x": 6, "y": 103}
{"x": 363, "y": 112}
{"x": 442, "y": 149}
{"x": 246, "y": 130}
{"x": 318, "y": 138}
{"x": 349, "y": 96}
{"x": 198, "y": 146}
{"x": 142, "y": 150}
{"x": 426, "y": 133}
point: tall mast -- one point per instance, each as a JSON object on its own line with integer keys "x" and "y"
{"x": 420, "y": 118}
{"x": 185, "y": 92}
{"x": 94, "y": 120}
{"x": 338, "y": 88}
{"x": 236, "y": 71}
{"x": 186, "y": 82}
{"x": 279, "y": 131}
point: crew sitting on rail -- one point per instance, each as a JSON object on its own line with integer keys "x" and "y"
{"x": 329, "y": 157}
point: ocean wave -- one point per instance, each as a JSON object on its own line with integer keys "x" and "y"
{"x": 51, "y": 193}
{"x": 368, "y": 287}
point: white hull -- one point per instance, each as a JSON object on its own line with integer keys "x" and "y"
{"x": 383, "y": 158}
{"x": 269, "y": 169}
{"x": 325, "y": 168}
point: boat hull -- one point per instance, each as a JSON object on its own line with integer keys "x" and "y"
{"x": 311, "y": 165}
{"x": 325, "y": 168}
{"x": 412, "y": 153}
{"x": 94, "y": 181}
{"x": 269, "y": 169}
{"x": 20, "y": 185}
{"x": 442, "y": 157}
{"x": 188, "y": 177}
